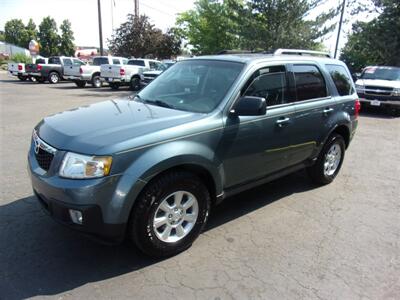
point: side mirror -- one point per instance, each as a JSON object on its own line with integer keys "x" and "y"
{"x": 250, "y": 106}
{"x": 356, "y": 76}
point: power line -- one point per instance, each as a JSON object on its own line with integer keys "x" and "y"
{"x": 156, "y": 9}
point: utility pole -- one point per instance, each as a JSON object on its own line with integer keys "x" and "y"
{"x": 340, "y": 27}
{"x": 136, "y": 8}
{"x": 100, "y": 29}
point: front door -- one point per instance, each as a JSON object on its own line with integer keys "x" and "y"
{"x": 255, "y": 146}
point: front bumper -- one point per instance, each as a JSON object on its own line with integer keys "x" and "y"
{"x": 92, "y": 197}
{"x": 379, "y": 100}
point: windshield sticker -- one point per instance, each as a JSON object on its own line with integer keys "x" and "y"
{"x": 370, "y": 70}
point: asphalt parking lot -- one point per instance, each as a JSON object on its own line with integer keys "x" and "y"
{"x": 285, "y": 240}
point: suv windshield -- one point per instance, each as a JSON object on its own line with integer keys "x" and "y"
{"x": 192, "y": 85}
{"x": 382, "y": 73}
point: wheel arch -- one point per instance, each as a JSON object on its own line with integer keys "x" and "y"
{"x": 156, "y": 162}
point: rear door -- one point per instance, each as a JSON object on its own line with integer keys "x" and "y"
{"x": 314, "y": 105}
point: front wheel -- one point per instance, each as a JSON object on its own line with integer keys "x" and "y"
{"x": 329, "y": 160}
{"x": 80, "y": 83}
{"x": 54, "y": 77}
{"x": 170, "y": 214}
{"x": 135, "y": 84}
{"x": 96, "y": 81}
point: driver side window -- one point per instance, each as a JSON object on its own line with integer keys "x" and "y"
{"x": 269, "y": 83}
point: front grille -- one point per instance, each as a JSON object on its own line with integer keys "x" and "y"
{"x": 378, "y": 90}
{"x": 44, "y": 159}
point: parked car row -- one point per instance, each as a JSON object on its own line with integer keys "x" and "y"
{"x": 116, "y": 71}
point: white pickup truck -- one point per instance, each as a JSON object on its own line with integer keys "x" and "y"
{"x": 17, "y": 69}
{"x": 90, "y": 73}
{"x": 130, "y": 74}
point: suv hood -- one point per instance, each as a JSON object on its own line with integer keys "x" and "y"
{"x": 378, "y": 82}
{"x": 98, "y": 128}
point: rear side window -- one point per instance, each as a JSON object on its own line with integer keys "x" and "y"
{"x": 116, "y": 61}
{"x": 136, "y": 62}
{"x": 310, "y": 83}
{"x": 54, "y": 60}
{"x": 269, "y": 83}
{"x": 98, "y": 61}
{"x": 341, "y": 79}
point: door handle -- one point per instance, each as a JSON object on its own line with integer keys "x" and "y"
{"x": 328, "y": 110}
{"x": 282, "y": 121}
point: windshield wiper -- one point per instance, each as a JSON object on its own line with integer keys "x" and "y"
{"x": 159, "y": 103}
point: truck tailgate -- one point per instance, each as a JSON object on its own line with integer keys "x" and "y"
{"x": 110, "y": 71}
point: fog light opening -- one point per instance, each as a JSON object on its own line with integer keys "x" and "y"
{"x": 76, "y": 216}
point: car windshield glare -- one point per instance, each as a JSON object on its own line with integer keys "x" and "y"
{"x": 192, "y": 85}
{"x": 382, "y": 73}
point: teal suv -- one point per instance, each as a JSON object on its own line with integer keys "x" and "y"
{"x": 149, "y": 167}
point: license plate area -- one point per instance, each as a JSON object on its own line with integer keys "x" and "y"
{"x": 375, "y": 102}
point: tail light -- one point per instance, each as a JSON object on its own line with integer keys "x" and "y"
{"x": 121, "y": 72}
{"x": 80, "y": 71}
{"x": 39, "y": 67}
{"x": 357, "y": 107}
{"x": 19, "y": 67}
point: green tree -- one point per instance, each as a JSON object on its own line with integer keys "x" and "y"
{"x": 376, "y": 42}
{"x": 15, "y": 33}
{"x": 254, "y": 25}
{"x": 2, "y": 36}
{"x": 48, "y": 37}
{"x": 139, "y": 38}
{"x": 30, "y": 32}
{"x": 209, "y": 27}
{"x": 67, "y": 46}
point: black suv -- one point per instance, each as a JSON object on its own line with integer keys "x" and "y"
{"x": 149, "y": 167}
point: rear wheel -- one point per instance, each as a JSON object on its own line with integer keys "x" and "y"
{"x": 170, "y": 214}
{"x": 96, "y": 81}
{"x": 40, "y": 79}
{"x": 135, "y": 84}
{"x": 114, "y": 85}
{"x": 329, "y": 160}
{"x": 80, "y": 83}
{"x": 22, "y": 78}
{"x": 54, "y": 77}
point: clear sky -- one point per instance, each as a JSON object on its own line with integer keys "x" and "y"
{"x": 83, "y": 15}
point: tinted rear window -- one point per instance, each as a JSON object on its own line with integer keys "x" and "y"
{"x": 54, "y": 60}
{"x": 310, "y": 83}
{"x": 136, "y": 62}
{"x": 341, "y": 79}
{"x": 98, "y": 61}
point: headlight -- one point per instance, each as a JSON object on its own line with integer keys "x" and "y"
{"x": 396, "y": 92}
{"x": 82, "y": 166}
{"x": 359, "y": 87}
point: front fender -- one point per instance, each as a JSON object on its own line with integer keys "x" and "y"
{"x": 151, "y": 163}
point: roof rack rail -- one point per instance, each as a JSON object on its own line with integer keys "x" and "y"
{"x": 301, "y": 52}
{"x": 228, "y": 51}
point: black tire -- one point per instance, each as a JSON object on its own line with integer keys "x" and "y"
{"x": 22, "y": 78}
{"x": 134, "y": 85}
{"x": 53, "y": 77}
{"x": 141, "y": 230}
{"x": 40, "y": 79}
{"x": 317, "y": 171}
{"x": 96, "y": 81}
{"x": 32, "y": 79}
{"x": 114, "y": 85}
{"x": 80, "y": 83}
